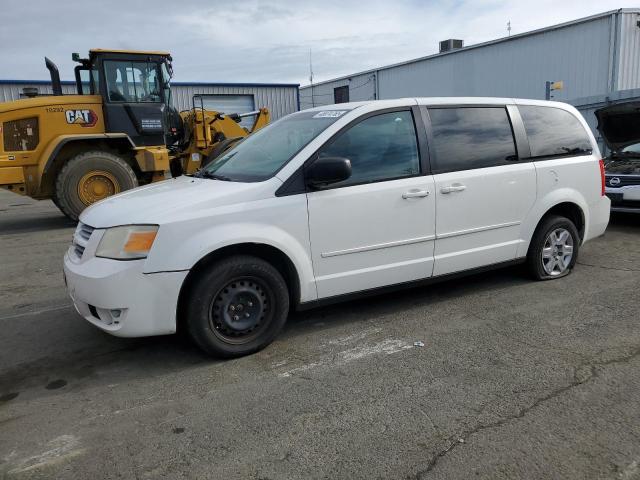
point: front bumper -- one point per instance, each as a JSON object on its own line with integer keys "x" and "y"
{"x": 117, "y": 297}
{"x": 624, "y": 199}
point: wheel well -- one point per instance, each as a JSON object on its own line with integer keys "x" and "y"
{"x": 571, "y": 211}
{"x": 270, "y": 254}
{"x": 118, "y": 146}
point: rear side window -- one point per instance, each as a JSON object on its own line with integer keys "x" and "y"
{"x": 554, "y": 132}
{"x": 471, "y": 137}
{"x": 383, "y": 147}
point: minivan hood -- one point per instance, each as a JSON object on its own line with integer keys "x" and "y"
{"x": 619, "y": 124}
{"x": 166, "y": 201}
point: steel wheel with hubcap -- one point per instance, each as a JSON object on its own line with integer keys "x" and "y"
{"x": 240, "y": 310}
{"x": 235, "y": 306}
{"x": 554, "y": 248}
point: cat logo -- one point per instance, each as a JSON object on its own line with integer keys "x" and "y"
{"x": 84, "y": 118}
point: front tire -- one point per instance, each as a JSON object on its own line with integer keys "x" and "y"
{"x": 89, "y": 177}
{"x": 554, "y": 248}
{"x": 237, "y": 306}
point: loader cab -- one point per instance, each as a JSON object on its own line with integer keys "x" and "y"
{"x": 135, "y": 90}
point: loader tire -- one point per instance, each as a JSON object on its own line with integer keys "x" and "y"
{"x": 219, "y": 149}
{"x": 89, "y": 177}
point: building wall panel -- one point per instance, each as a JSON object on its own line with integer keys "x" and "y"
{"x": 12, "y": 91}
{"x": 577, "y": 55}
{"x": 629, "y": 52}
{"x": 361, "y": 88}
{"x": 280, "y": 100}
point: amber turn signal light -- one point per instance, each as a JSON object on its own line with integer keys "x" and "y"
{"x": 139, "y": 241}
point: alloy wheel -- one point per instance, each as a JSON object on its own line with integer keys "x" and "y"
{"x": 557, "y": 252}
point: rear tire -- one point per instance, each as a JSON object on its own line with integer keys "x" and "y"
{"x": 237, "y": 306}
{"x": 89, "y": 177}
{"x": 554, "y": 248}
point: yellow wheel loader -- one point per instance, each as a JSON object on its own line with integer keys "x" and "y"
{"x": 119, "y": 131}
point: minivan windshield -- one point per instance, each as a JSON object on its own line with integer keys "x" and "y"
{"x": 263, "y": 153}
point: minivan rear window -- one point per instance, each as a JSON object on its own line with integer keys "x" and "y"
{"x": 470, "y": 137}
{"x": 554, "y": 132}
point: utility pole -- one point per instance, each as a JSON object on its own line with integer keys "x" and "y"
{"x": 313, "y": 103}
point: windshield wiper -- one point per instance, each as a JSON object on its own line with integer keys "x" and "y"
{"x": 213, "y": 176}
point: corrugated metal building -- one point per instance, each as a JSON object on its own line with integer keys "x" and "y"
{"x": 597, "y": 58}
{"x": 280, "y": 98}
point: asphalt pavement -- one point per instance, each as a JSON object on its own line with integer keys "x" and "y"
{"x": 516, "y": 379}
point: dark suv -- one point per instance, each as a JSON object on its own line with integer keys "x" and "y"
{"x": 619, "y": 125}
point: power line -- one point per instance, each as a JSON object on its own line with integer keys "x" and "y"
{"x": 361, "y": 85}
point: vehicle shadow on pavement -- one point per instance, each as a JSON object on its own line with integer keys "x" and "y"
{"x": 28, "y": 224}
{"x": 102, "y": 360}
{"x": 414, "y": 297}
{"x": 80, "y": 356}
{"x": 623, "y": 220}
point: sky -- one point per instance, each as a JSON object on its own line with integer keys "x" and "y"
{"x": 264, "y": 41}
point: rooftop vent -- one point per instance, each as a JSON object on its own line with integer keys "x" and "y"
{"x": 451, "y": 44}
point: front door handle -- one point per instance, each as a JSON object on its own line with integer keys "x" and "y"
{"x": 415, "y": 194}
{"x": 456, "y": 187}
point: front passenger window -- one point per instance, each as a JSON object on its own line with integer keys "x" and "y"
{"x": 383, "y": 147}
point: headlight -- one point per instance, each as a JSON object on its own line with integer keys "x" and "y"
{"x": 127, "y": 243}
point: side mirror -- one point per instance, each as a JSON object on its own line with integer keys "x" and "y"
{"x": 328, "y": 170}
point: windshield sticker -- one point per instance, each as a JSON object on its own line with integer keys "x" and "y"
{"x": 330, "y": 114}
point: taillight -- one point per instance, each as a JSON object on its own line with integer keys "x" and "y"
{"x": 602, "y": 178}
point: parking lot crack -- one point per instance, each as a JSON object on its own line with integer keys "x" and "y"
{"x": 582, "y": 374}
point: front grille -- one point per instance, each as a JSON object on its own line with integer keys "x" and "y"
{"x": 81, "y": 237}
{"x": 624, "y": 180}
{"x": 85, "y": 231}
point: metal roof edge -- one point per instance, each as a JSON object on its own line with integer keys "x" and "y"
{"x": 482, "y": 44}
{"x": 35, "y": 82}
{"x": 597, "y": 100}
{"x": 233, "y": 84}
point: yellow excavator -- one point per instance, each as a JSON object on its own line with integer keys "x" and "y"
{"x": 117, "y": 132}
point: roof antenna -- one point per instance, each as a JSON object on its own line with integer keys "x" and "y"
{"x": 509, "y": 28}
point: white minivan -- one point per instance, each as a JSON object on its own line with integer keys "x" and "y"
{"x": 336, "y": 201}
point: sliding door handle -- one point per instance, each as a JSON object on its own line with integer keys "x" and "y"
{"x": 456, "y": 187}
